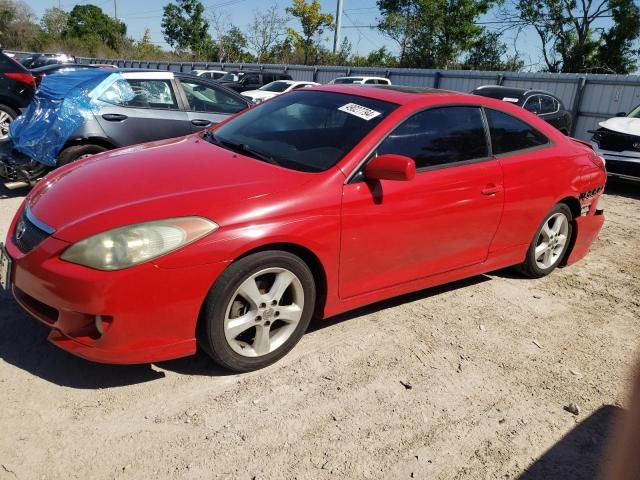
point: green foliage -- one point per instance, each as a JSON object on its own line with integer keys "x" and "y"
{"x": 489, "y": 53}
{"x": 54, "y": 22}
{"x": 432, "y": 33}
{"x": 313, "y": 23}
{"x": 573, "y": 39}
{"x": 90, "y": 22}
{"x": 185, "y": 28}
{"x": 231, "y": 46}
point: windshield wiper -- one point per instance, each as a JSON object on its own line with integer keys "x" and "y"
{"x": 210, "y": 136}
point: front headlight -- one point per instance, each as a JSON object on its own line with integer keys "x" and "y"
{"x": 127, "y": 246}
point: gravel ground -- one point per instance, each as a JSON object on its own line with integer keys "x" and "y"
{"x": 465, "y": 381}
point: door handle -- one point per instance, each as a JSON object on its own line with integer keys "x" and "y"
{"x": 490, "y": 190}
{"x": 114, "y": 117}
{"x": 201, "y": 123}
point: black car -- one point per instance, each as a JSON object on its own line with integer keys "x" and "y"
{"x": 41, "y": 72}
{"x": 17, "y": 87}
{"x": 137, "y": 106}
{"x": 37, "y": 60}
{"x": 244, "y": 80}
{"x": 618, "y": 141}
{"x": 544, "y": 104}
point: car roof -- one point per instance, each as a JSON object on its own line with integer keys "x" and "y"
{"x": 59, "y": 66}
{"x": 510, "y": 91}
{"x": 391, "y": 93}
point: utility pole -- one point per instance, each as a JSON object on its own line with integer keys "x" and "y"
{"x": 115, "y": 7}
{"x": 336, "y": 38}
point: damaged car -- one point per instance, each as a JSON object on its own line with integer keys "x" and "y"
{"x": 618, "y": 141}
{"x": 79, "y": 113}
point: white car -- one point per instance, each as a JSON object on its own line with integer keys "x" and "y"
{"x": 361, "y": 80}
{"x": 276, "y": 88}
{"x": 618, "y": 142}
{"x": 212, "y": 74}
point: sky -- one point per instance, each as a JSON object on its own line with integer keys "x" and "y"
{"x": 358, "y": 14}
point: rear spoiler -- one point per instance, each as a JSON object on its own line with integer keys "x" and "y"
{"x": 582, "y": 142}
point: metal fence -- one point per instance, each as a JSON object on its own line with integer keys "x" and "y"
{"x": 590, "y": 98}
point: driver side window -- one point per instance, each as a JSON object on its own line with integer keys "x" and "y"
{"x": 439, "y": 136}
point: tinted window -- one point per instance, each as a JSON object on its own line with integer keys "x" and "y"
{"x": 508, "y": 134}
{"x": 305, "y": 130}
{"x": 532, "y": 104}
{"x": 547, "y": 104}
{"x": 203, "y": 98}
{"x": 141, "y": 94}
{"x": 439, "y": 136}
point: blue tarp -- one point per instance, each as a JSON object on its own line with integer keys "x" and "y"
{"x": 63, "y": 103}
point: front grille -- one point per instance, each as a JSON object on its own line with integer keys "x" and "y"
{"x": 631, "y": 169}
{"x": 27, "y": 235}
{"x": 617, "y": 142}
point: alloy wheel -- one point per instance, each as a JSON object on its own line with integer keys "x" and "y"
{"x": 264, "y": 312}
{"x": 552, "y": 240}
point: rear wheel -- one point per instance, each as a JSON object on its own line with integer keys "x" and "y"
{"x": 257, "y": 310}
{"x": 549, "y": 244}
{"x": 7, "y": 115}
{"x": 78, "y": 152}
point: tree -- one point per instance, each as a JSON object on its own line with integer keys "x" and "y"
{"x": 185, "y": 27}
{"x": 313, "y": 23}
{"x": 17, "y": 29}
{"x": 573, "y": 36}
{"x": 231, "y": 46}
{"x": 489, "y": 53}
{"x": 87, "y": 21}
{"x": 376, "y": 58}
{"x": 265, "y": 30}
{"x": 432, "y": 33}
{"x": 145, "y": 48}
{"x": 54, "y": 21}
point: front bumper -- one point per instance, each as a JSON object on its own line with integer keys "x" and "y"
{"x": 625, "y": 164}
{"x": 151, "y": 311}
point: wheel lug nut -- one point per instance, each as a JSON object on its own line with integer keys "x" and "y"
{"x": 274, "y": 302}
{"x": 277, "y": 314}
{"x": 258, "y": 318}
{"x": 263, "y": 305}
{"x": 267, "y": 323}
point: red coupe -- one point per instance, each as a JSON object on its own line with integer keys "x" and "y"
{"x": 310, "y": 204}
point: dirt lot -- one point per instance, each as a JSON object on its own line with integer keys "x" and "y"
{"x": 491, "y": 363}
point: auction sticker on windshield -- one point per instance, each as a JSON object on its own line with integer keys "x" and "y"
{"x": 5, "y": 269}
{"x": 359, "y": 111}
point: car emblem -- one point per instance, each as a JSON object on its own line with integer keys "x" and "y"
{"x": 21, "y": 228}
{"x": 636, "y": 145}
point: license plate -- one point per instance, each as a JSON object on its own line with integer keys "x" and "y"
{"x": 5, "y": 269}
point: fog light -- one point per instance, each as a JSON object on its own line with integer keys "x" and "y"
{"x": 103, "y": 323}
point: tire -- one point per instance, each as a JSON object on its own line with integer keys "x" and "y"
{"x": 264, "y": 336}
{"x": 76, "y": 152}
{"x": 7, "y": 115}
{"x": 541, "y": 261}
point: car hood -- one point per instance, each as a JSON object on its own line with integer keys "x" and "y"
{"x": 628, "y": 125}
{"x": 165, "y": 179}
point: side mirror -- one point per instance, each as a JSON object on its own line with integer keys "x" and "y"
{"x": 621, "y": 114}
{"x": 391, "y": 167}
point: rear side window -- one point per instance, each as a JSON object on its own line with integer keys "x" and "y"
{"x": 204, "y": 98}
{"x": 508, "y": 134}
{"x": 439, "y": 136}
{"x": 141, "y": 94}
{"x": 547, "y": 104}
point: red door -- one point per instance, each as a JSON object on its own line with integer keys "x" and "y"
{"x": 445, "y": 218}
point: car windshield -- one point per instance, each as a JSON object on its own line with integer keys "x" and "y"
{"x": 231, "y": 77}
{"x": 635, "y": 113}
{"x": 278, "y": 86}
{"x": 348, "y": 80}
{"x": 303, "y": 130}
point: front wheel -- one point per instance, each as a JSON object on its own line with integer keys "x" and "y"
{"x": 257, "y": 310}
{"x": 78, "y": 152}
{"x": 550, "y": 243}
{"x": 7, "y": 115}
